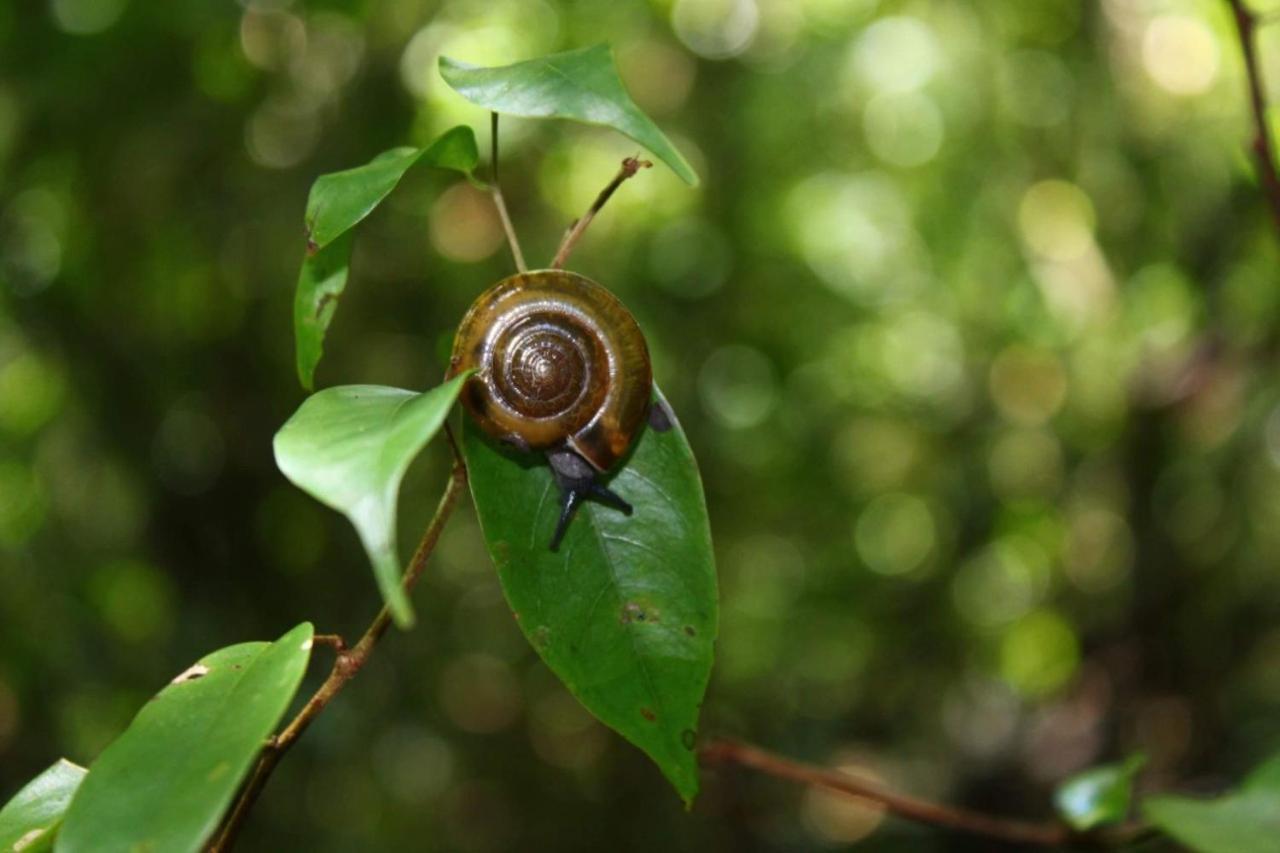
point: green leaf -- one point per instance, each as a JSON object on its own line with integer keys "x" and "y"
{"x": 320, "y": 285}
{"x": 1265, "y": 777}
{"x": 1244, "y": 821}
{"x": 580, "y": 85}
{"x": 348, "y": 447}
{"x": 165, "y": 783}
{"x": 1099, "y": 795}
{"x": 337, "y": 203}
{"x": 625, "y": 612}
{"x": 29, "y": 822}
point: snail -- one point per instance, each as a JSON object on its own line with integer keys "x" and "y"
{"x": 561, "y": 367}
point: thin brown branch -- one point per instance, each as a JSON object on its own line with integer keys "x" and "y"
{"x": 730, "y": 753}
{"x": 495, "y": 189}
{"x": 630, "y": 166}
{"x": 349, "y": 662}
{"x": 1264, "y": 150}
{"x": 333, "y": 641}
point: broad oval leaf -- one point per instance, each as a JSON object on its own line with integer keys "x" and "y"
{"x": 167, "y": 781}
{"x": 580, "y": 85}
{"x": 1099, "y": 795}
{"x": 349, "y": 447}
{"x": 338, "y": 202}
{"x": 625, "y": 612}
{"x": 30, "y": 821}
{"x": 1244, "y": 821}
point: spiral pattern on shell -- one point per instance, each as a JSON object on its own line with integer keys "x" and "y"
{"x": 559, "y": 361}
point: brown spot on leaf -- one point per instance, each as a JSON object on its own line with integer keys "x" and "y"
{"x": 689, "y": 739}
{"x": 688, "y": 630}
{"x": 637, "y": 611}
{"x": 648, "y": 715}
{"x": 323, "y": 302}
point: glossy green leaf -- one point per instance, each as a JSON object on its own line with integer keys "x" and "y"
{"x": 1099, "y": 795}
{"x": 580, "y": 85}
{"x": 625, "y": 612}
{"x": 167, "y": 781}
{"x": 338, "y": 202}
{"x": 30, "y": 821}
{"x": 320, "y": 285}
{"x": 1243, "y": 821}
{"x": 349, "y": 447}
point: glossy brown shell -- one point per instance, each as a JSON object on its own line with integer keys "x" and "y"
{"x": 559, "y": 361}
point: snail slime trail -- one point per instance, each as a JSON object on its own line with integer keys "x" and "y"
{"x": 561, "y": 367}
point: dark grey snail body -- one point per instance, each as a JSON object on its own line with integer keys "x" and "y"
{"x": 561, "y": 367}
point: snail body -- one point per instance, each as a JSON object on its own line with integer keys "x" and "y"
{"x": 560, "y": 367}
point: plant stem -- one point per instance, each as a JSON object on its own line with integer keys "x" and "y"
{"x": 348, "y": 663}
{"x": 1247, "y": 26}
{"x": 498, "y": 201}
{"x": 630, "y": 166}
{"x": 1049, "y": 834}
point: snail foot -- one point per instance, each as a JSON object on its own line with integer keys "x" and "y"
{"x": 578, "y": 481}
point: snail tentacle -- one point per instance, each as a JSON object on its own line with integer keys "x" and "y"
{"x": 578, "y": 481}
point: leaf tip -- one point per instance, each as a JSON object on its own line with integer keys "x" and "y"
{"x": 306, "y": 376}
{"x": 402, "y": 614}
{"x": 449, "y": 67}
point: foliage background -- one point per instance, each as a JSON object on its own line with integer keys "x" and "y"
{"x": 972, "y": 324}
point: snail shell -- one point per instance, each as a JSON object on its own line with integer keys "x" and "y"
{"x": 559, "y": 362}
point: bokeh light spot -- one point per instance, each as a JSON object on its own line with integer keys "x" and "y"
{"x": 895, "y": 534}
{"x": 716, "y": 29}
{"x": 464, "y": 225}
{"x": 1057, "y": 220}
{"x": 903, "y": 129}
{"x": 1039, "y": 654}
{"x": 1180, "y": 54}
{"x": 738, "y": 386}
{"x": 1028, "y": 385}
{"x": 896, "y": 54}
{"x": 1026, "y": 463}
{"x": 23, "y": 503}
{"x": 135, "y": 599}
{"x": 1001, "y": 583}
{"x": 480, "y": 694}
{"x": 838, "y": 819}
{"x": 32, "y": 391}
{"x": 86, "y": 17}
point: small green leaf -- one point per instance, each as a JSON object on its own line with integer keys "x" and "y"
{"x": 320, "y": 285}
{"x": 580, "y": 85}
{"x": 625, "y": 612}
{"x": 1265, "y": 777}
{"x": 349, "y": 446}
{"x": 338, "y": 202}
{"x": 1099, "y": 795}
{"x": 1243, "y": 821}
{"x": 167, "y": 781}
{"x": 30, "y": 821}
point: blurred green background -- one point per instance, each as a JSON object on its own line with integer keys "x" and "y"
{"x": 973, "y": 324}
